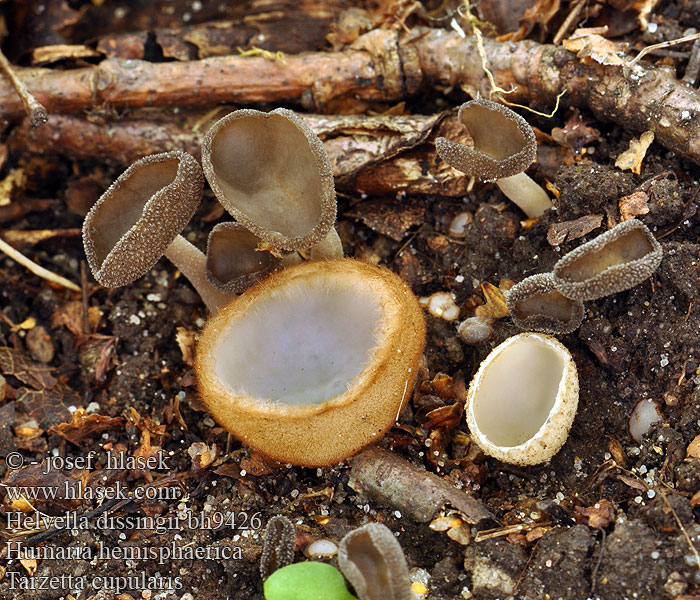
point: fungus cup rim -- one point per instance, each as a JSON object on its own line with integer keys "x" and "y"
{"x": 242, "y": 281}
{"x": 328, "y": 208}
{"x": 385, "y": 364}
{"x": 548, "y": 439}
{"x": 542, "y": 323}
{"x": 590, "y": 289}
{"x": 490, "y": 168}
{"x": 122, "y": 265}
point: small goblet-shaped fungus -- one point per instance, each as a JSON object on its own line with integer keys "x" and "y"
{"x": 614, "y": 261}
{"x": 234, "y": 262}
{"x": 313, "y": 363}
{"x": 272, "y": 173}
{"x": 504, "y": 146}
{"x": 278, "y": 546}
{"x": 139, "y": 219}
{"x": 536, "y": 305}
{"x": 372, "y": 560}
{"x": 522, "y": 400}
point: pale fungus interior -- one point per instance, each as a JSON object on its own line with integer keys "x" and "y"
{"x": 371, "y": 564}
{"x": 626, "y": 248}
{"x": 552, "y": 304}
{"x": 126, "y": 205}
{"x": 517, "y": 391}
{"x": 302, "y": 344}
{"x": 232, "y": 253}
{"x": 493, "y": 133}
{"x": 275, "y": 184}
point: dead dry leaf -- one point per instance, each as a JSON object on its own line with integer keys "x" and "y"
{"x": 589, "y": 44}
{"x": 257, "y": 464}
{"x": 693, "y": 450}
{"x": 48, "y": 406}
{"x": 633, "y": 205}
{"x": 20, "y": 239}
{"x": 19, "y": 365}
{"x": 96, "y": 353}
{"x": 186, "y": 339}
{"x": 29, "y": 565}
{"x": 632, "y": 158}
{"x": 49, "y": 54}
{"x": 84, "y": 427}
{"x": 202, "y": 455}
{"x": 69, "y": 315}
{"x": 495, "y": 306}
{"x": 558, "y": 233}
{"x": 601, "y": 514}
{"x": 445, "y": 416}
{"x": 53, "y": 490}
{"x": 460, "y": 534}
{"x": 392, "y": 219}
{"x": 575, "y": 134}
{"x": 15, "y": 180}
{"x": 695, "y": 500}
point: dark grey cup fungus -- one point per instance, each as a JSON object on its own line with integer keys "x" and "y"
{"x": 504, "y": 146}
{"x": 234, "y": 262}
{"x": 139, "y": 219}
{"x": 278, "y": 546}
{"x": 614, "y": 261}
{"x": 536, "y": 305}
{"x": 373, "y": 561}
{"x": 273, "y": 175}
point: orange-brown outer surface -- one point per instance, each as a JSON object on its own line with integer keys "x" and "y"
{"x": 325, "y": 433}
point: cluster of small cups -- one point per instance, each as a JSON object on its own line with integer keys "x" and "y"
{"x": 522, "y": 401}
{"x": 268, "y": 170}
{"x": 311, "y": 363}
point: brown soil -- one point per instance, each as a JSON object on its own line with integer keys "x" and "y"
{"x": 641, "y": 343}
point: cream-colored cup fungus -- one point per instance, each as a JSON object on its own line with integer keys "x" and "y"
{"x": 373, "y": 561}
{"x": 522, "y": 401}
{"x": 314, "y": 362}
{"x": 272, "y": 173}
{"x": 139, "y": 219}
{"x": 536, "y": 305}
{"x": 614, "y": 261}
{"x": 504, "y": 146}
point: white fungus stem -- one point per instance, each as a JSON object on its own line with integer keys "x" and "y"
{"x": 191, "y": 262}
{"x": 526, "y": 193}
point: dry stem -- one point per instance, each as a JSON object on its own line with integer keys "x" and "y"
{"x": 35, "y": 111}
{"x": 35, "y": 268}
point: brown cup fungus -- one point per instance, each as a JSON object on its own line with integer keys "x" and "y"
{"x": 614, "y": 261}
{"x": 234, "y": 262}
{"x": 504, "y": 146}
{"x": 523, "y": 399}
{"x": 373, "y": 561}
{"x": 313, "y": 363}
{"x": 536, "y": 305}
{"x": 272, "y": 173}
{"x": 139, "y": 219}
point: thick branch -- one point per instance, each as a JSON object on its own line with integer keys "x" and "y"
{"x": 645, "y": 98}
{"x": 374, "y": 155}
{"x": 378, "y": 67}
